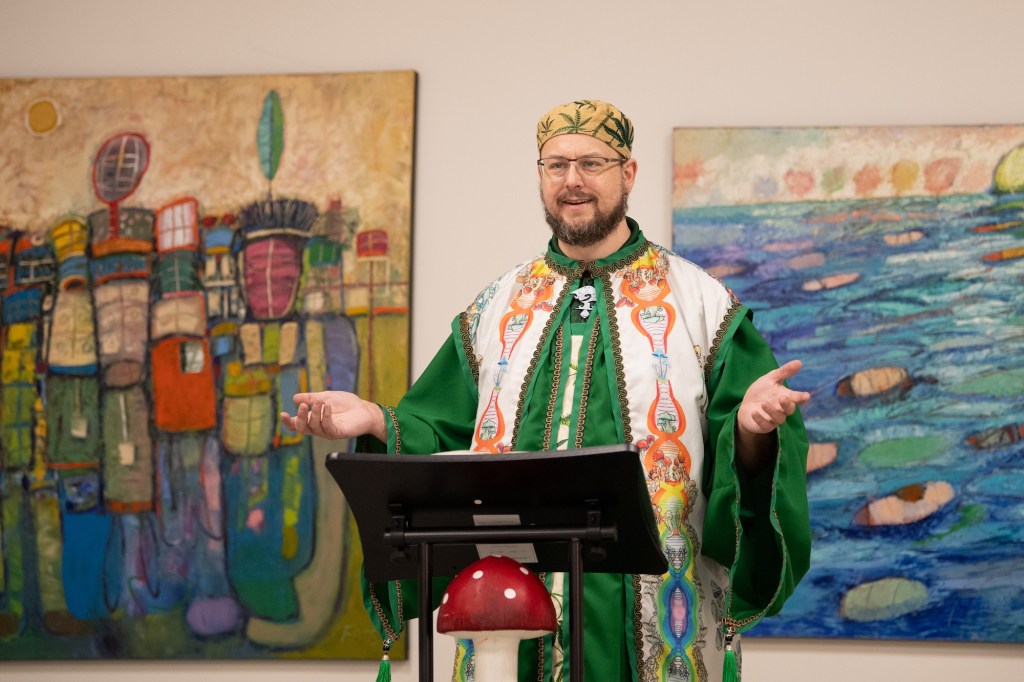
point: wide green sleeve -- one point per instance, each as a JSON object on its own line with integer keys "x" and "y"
{"x": 756, "y": 527}
{"x": 438, "y": 411}
{"x": 436, "y": 414}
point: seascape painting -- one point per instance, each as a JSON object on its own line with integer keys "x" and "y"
{"x": 890, "y": 260}
{"x": 178, "y": 257}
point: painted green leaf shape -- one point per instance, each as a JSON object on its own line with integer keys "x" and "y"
{"x": 1002, "y": 384}
{"x": 270, "y": 135}
{"x": 884, "y": 599}
{"x": 900, "y": 452}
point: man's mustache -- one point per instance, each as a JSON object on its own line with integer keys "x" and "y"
{"x": 575, "y": 195}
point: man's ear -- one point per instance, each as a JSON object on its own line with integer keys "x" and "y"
{"x": 629, "y": 169}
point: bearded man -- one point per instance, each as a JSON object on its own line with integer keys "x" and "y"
{"x": 608, "y": 338}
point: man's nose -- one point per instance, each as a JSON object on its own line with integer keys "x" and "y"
{"x": 572, "y": 176}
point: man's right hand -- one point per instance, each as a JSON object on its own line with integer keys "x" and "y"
{"x": 334, "y": 415}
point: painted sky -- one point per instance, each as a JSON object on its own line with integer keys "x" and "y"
{"x": 346, "y": 136}
{"x": 725, "y": 166}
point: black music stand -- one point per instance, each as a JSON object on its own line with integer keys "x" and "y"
{"x": 568, "y": 510}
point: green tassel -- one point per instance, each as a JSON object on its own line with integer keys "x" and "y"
{"x": 384, "y": 672}
{"x": 730, "y": 671}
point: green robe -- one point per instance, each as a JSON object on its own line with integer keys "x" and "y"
{"x": 756, "y": 528}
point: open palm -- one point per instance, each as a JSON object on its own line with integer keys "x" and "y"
{"x": 334, "y": 415}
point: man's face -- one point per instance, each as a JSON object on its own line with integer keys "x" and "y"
{"x": 583, "y": 209}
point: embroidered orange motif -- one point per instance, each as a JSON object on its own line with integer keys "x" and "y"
{"x": 645, "y": 288}
{"x": 536, "y": 288}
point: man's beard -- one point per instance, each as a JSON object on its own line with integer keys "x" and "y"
{"x": 590, "y": 232}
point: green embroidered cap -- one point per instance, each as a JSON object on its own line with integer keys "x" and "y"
{"x": 588, "y": 117}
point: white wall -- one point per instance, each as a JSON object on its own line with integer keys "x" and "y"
{"x": 487, "y": 71}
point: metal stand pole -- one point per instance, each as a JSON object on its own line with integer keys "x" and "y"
{"x": 576, "y": 610}
{"x": 426, "y": 615}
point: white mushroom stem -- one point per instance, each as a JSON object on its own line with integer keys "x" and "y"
{"x": 496, "y": 653}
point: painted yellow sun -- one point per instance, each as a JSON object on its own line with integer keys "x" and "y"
{"x": 42, "y": 116}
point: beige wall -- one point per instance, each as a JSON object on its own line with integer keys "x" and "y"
{"x": 487, "y": 71}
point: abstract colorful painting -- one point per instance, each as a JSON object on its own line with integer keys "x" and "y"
{"x": 891, "y": 261}
{"x": 178, "y": 257}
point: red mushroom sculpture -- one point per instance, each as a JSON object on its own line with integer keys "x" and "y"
{"x": 496, "y": 602}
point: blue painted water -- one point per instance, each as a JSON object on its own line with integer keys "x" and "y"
{"x": 955, "y": 322}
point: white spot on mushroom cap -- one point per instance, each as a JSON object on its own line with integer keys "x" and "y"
{"x": 510, "y": 593}
{"x": 444, "y": 599}
{"x": 477, "y": 575}
{"x": 524, "y": 570}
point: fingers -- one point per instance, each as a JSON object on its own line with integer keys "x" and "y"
{"x": 298, "y": 422}
{"x": 759, "y": 421}
{"x": 789, "y": 402}
{"x": 307, "y": 398}
{"x": 768, "y": 402}
{"x": 778, "y": 412}
{"x": 302, "y": 418}
{"x": 314, "y": 416}
{"x": 327, "y": 422}
{"x": 762, "y": 421}
{"x": 770, "y": 414}
{"x": 314, "y": 420}
{"x": 788, "y": 370}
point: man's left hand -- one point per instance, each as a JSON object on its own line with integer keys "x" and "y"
{"x": 768, "y": 402}
{"x": 765, "y": 406}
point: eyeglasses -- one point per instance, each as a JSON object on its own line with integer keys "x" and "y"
{"x": 556, "y": 167}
